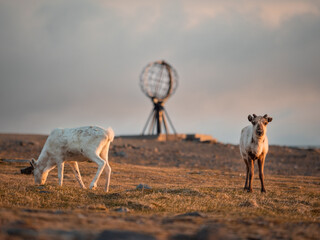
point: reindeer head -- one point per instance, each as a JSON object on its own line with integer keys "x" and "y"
{"x": 39, "y": 176}
{"x": 259, "y": 124}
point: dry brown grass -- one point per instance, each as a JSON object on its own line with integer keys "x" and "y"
{"x": 186, "y": 177}
{"x": 174, "y": 190}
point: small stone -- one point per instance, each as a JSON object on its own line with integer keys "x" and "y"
{"x": 27, "y": 170}
{"x": 191, "y": 214}
{"x": 124, "y": 235}
{"x": 181, "y": 236}
{"x": 121, "y": 209}
{"x": 22, "y": 233}
{"x": 143, "y": 186}
{"x": 44, "y": 192}
{"x": 58, "y": 212}
{"x": 120, "y": 154}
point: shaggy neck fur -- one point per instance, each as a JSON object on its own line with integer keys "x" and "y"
{"x": 256, "y": 147}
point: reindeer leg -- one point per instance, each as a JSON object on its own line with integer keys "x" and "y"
{"x": 75, "y": 168}
{"x": 247, "y": 175}
{"x": 261, "y": 174}
{"x": 60, "y": 172}
{"x": 104, "y": 156}
{"x": 251, "y": 173}
{"x": 101, "y": 164}
{"x": 108, "y": 171}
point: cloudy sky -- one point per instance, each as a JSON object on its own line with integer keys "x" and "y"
{"x": 68, "y": 63}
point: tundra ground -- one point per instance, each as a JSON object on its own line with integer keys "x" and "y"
{"x": 196, "y": 193}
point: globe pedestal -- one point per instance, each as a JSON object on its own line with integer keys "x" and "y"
{"x": 158, "y": 119}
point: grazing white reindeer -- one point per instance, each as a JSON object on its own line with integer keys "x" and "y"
{"x": 254, "y": 146}
{"x": 72, "y": 145}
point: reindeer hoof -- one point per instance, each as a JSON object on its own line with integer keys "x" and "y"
{"x": 249, "y": 190}
{"x": 263, "y": 191}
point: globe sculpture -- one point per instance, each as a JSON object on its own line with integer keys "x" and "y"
{"x": 158, "y": 81}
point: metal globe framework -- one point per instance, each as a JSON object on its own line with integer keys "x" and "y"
{"x": 158, "y": 81}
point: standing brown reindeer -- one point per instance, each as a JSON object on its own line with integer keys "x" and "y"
{"x": 254, "y": 146}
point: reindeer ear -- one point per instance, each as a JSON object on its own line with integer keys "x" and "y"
{"x": 269, "y": 119}
{"x": 33, "y": 163}
{"x": 250, "y": 118}
{"x": 254, "y": 116}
